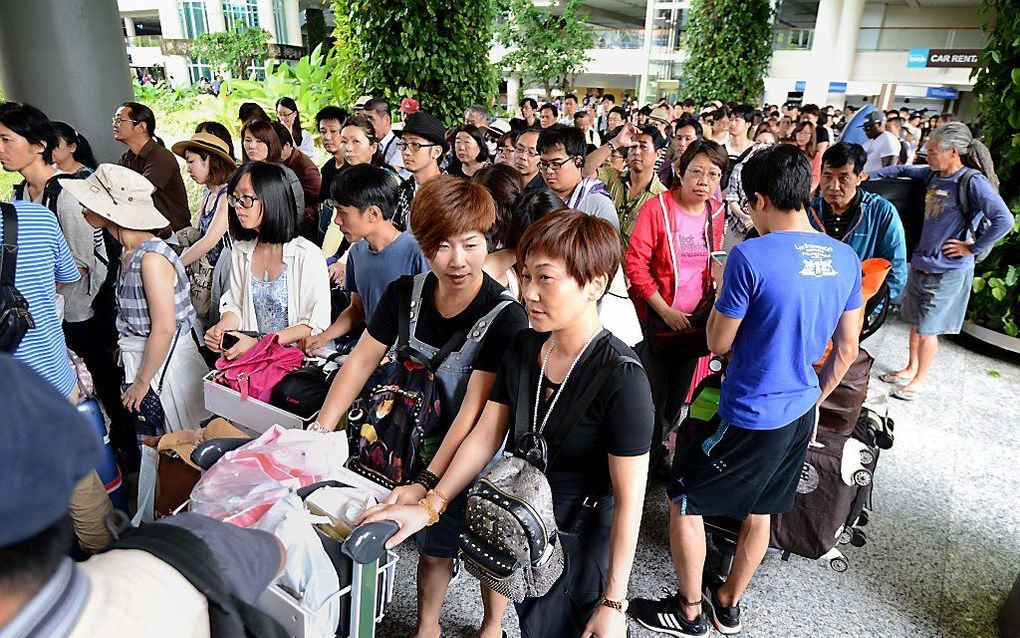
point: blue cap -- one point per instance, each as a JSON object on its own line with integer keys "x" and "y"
{"x": 46, "y": 447}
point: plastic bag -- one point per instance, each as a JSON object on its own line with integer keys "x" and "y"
{"x": 308, "y": 574}
{"x": 246, "y": 483}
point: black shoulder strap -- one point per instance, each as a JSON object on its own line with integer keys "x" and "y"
{"x": 19, "y": 190}
{"x": 522, "y": 410}
{"x": 191, "y": 557}
{"x": 963, "y": 194}
{"x": 9, "y": 255}
{"x": 51, "y": 193}
{"x": 557, "y": 432}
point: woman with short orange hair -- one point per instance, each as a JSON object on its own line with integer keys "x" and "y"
{"x": 450, "y": 217}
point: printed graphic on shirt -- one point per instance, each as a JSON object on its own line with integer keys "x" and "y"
{"x": 817, "y": 260}
{"x": 935, "y": 203}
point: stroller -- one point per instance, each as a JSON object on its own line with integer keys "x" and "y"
{"x": 834, "y": 496}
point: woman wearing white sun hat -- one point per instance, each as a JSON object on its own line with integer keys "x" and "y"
{"x": 161, "y": 361}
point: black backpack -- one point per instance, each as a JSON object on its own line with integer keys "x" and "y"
{"x": 15, "y": 319}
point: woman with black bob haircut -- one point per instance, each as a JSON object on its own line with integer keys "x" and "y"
{"x": 278, "y": 280}
{"x": 470, "y": 152}
{"x": 73, "y": 153}
{"x": 597, "y": 471}
{"x": 287, "y": 111}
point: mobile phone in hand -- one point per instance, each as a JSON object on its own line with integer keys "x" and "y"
{"x": 229, "y": 340}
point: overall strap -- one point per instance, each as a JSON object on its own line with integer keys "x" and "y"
{"x": 9, "y": 255}
{"x": 408, "y": 324}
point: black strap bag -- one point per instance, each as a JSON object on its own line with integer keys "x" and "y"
{"x": 15, "y": 318}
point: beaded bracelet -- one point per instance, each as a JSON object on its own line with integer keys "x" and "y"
{"x": 430, "y": 510}
{"x": 427, "y": 479}
{"x": 442, "y": 497}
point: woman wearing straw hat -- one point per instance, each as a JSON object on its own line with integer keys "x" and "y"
{"x": 209, "y": 163}
{"x": 163, "y": 369}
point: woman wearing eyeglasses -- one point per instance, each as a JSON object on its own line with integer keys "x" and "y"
{"x": 667, "y": 264}
{"x": 287, "y": 111}
{"x": 278, "y": 280}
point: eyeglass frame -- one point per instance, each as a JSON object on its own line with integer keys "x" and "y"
{"x": 235, "y": 201}
{"x": 556, "y": 165}
{"x": 404, "y": 146}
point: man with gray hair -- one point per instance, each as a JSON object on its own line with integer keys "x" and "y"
{"x": 964, "y": 216}
{"x": 377, "y": 110}
{"x": 476, "y": 114}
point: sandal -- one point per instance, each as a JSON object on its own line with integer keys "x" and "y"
{"x": 893, "y": 378}
{"x": 907, "y": 395}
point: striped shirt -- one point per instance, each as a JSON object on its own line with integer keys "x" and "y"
{"x": 43, "y": 261}
{"x": 133, "y": 308}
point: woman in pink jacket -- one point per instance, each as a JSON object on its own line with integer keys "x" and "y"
{"x": 667, "y": 264}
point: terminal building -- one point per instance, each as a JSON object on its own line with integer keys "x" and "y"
{"x": 156, "y": 31}
{"x": 918, "y": 53}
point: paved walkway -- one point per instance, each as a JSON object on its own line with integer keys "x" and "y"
{"x": 944, "y": 540}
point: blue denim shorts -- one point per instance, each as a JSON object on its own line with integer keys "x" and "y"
{"x": 936, "y": 303}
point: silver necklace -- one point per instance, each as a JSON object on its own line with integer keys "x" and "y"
{"x": 559, "y": 391}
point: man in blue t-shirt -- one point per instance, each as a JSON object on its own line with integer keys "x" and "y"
{"x": 782, "y": 297}
{"x": 364, "y": 198}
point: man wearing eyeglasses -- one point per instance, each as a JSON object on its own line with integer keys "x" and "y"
{"x": 561, "y": 152}
{"x": 866, "y": 221}
{"x": 134, "y": 125}
{"x": 526, "y": 160}
{"x": 422, "y": 143}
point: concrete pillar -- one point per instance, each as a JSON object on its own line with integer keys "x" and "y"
{"x": 267, "y": 19}
{"x": 826, "y": 27}
{"x": 292, "y": 10}
{"x": 176, "y": 65}
{"x": 513, "y": 92}
{"x": 214, "y": 16}
{"x": 51, "y": 77}
{"x": 845, "y": 50}
{"x": 642, "y": 94}
{"x": 129, "y": 27}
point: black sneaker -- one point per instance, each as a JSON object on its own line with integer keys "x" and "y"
{"x": 665, "y": 617}
{"x": 725, "y": 619}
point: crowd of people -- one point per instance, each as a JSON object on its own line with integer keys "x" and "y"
{"x": 737, "y": 229}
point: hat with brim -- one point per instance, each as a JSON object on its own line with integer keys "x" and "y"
{"x": 204, "y": 142}
{"x": 498, "y": 127}
{"x": 183, "y": 443}
{"x": 660, "y": 115}
{"x": 426, "y": 126}
{"x": 118, "y": 194}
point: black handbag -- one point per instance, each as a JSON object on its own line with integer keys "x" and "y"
{"x": 303, "y": 391}
{"x": 150, "y": 419}
{"x": 15, "y": 318}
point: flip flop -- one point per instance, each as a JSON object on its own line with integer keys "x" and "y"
{"x": 893, "y": 378}
{"x": 907, "y": 395}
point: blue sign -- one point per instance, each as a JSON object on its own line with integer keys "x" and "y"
{"x": 917, "y": 58}
{"x": 837, "y": 87}
{"x": 800, "y": 86}
{"x": 942, "y": 93}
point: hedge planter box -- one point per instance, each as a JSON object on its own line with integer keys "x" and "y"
{"x": 992, "y": 337}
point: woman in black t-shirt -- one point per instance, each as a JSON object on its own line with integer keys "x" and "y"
{"x": 450, "y": 217}
{"x": 568, "y": 258}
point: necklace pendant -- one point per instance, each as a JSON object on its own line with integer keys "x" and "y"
{"x": 265, "y": 276}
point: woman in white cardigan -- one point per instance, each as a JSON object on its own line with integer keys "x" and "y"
{"x": 278, "y": 281}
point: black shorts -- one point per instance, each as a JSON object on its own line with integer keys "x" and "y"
{"x": 442, "y": 540}
{"x": 726, "y": 470}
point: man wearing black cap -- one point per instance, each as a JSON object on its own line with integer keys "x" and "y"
{"x": 422, "y": 144}
{"x": 45, "y": 449}
{"x": 882, "y": 146}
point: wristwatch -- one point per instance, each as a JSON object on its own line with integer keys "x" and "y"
{"x": 618, "y": 605}
{"x": 315, "y": 426}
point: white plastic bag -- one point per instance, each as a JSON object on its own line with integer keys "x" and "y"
{"x": 308, "y": 572}
{"x": 242, "y": 486}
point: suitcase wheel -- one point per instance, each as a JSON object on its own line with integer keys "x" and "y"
{"x": 862, "y": 519}
{"x": 867, "y": 457}
{"x": 839, "y": 564}
{"x": 846, "y": 536}
{"x": 862, "y": 477}
{"x": 858, "y": 538}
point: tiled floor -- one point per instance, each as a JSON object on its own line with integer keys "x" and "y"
{"x": 944, "y": 541}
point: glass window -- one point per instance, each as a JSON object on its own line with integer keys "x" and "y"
{"x": 280, "y": 19}
{"x": 240, "y": 12}
{"x": 193, "y": 20}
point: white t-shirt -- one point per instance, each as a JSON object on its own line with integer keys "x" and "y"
{"x": 884, "y": 145}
